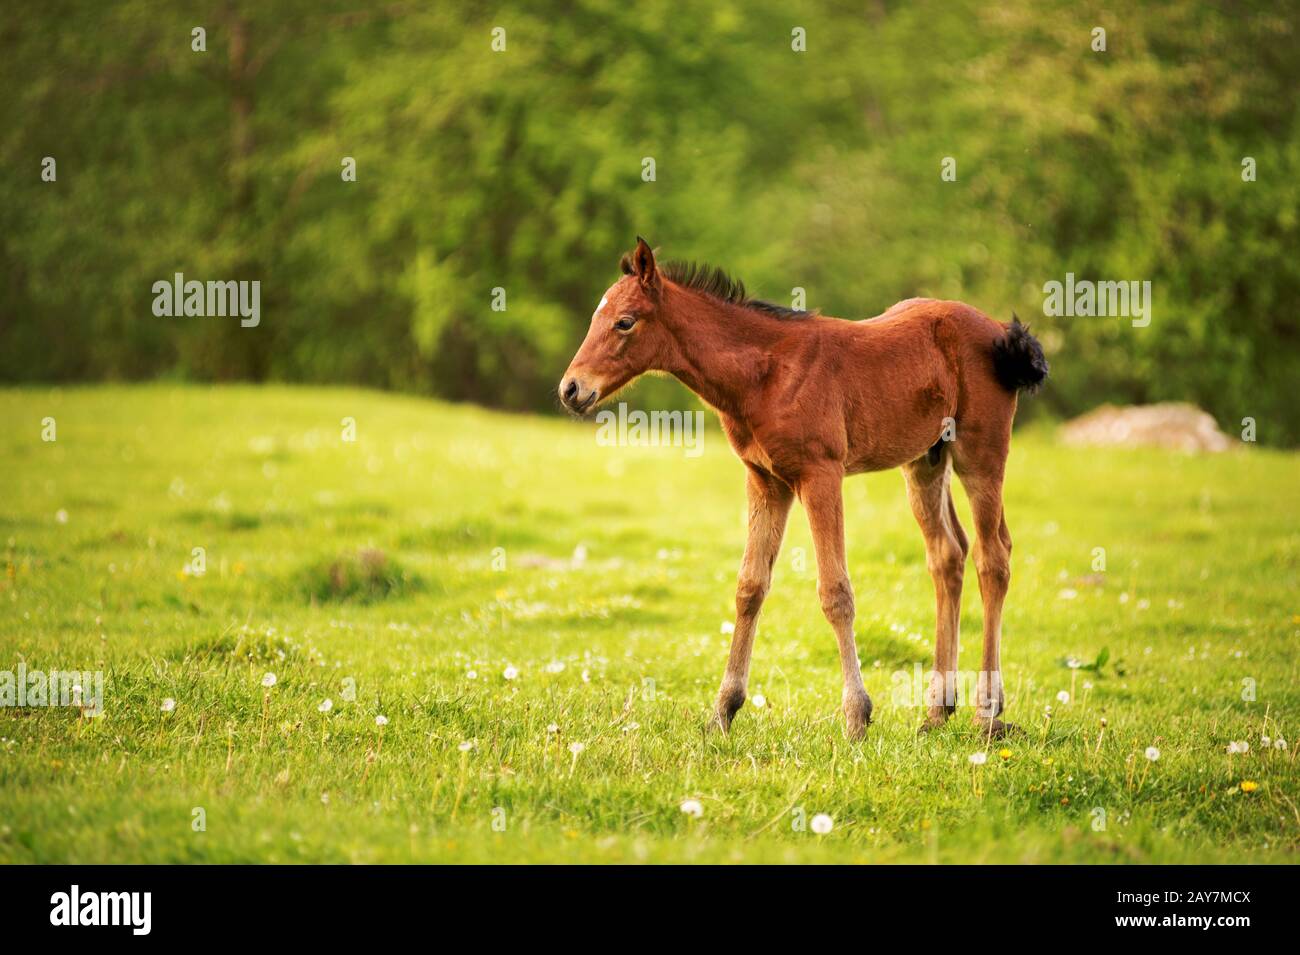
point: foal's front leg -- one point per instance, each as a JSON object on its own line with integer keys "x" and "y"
{"x": 823, "y": 500}
{"x": 769, "y": 506}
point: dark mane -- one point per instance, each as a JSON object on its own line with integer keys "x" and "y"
{"x": 716, "y": 283}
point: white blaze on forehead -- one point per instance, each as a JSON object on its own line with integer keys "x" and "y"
{"x": 604, "y": 300}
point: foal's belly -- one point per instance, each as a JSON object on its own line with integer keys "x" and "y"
{"x": 870, "y": 430}
{"x": 889, "y": 430}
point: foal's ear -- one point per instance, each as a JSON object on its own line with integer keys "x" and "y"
{"x": 643, "y": 264}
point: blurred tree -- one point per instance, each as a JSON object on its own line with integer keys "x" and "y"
{"x": 521, "y": 168}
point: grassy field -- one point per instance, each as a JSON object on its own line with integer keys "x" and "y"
{"x": 540, "y": 621}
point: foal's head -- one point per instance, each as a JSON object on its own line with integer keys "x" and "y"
{"x": 627, "y": 336}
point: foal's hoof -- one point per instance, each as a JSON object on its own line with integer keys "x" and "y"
{"x": 730, "y": 700}
{"x": 935, "y": 717}
{"x": 857, "y": 717}
{"x": 996, "y": 729}
{"x": 931, "y": 723}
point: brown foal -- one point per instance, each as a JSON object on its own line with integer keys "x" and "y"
{"x": 929, "y": 387}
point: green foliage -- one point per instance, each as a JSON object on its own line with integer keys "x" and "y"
{"x": 522, "y": 170}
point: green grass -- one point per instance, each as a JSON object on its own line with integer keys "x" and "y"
{"x": 376, "y": 562}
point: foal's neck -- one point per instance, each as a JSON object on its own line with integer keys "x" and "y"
{"x": 723, "y": 350}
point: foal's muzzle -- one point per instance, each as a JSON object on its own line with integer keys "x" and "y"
{"x": 575, "y": 397}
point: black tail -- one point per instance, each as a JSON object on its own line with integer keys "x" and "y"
{"x": 1018, "y": 359}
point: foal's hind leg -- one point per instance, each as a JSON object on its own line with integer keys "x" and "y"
{"x": 769, "y": 506}
{"x": 993, "y": 562}
{"x": 930, "y": 494}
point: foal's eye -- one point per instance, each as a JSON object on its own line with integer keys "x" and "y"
{"x": 625, "y": 323}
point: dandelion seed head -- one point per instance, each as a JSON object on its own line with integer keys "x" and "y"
{"x": 692, "y": 808}
{"x": 821, "y": 824}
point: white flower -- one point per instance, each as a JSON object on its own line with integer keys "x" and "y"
{"x": 1152, "y": 753}
{"x": 1063, "y": 697}
{"x": 325, "y": 799}
{"x": 326, "y": 705}
{"x": 692, "y": 808}
{"x": 168, "y": 705}
{"x": 634, "y": 725}
{"x": 466, "y": 746}
{"x": 471, "y": 674}
{"x": 978, "y": 759}
{"x": 510, "y": 673}
{"x": 822, "y": 824}
{"x": 586, "y": 676}
{"x": 1069, "y": 593}
{"x": 1265, "y": 742}
{"x": 1087, "y": 685}
{"x": 268, "y": 680}
{"x": 381, "y": 720}
{"x": 61, "y": 516}
{"x": 555, "y": 666}
{"x": 728, "y": 627}
{"x": 552, "y": 727}
{"x": 1238, "y": 746}
{"x": 1073, "y": 663}
{"x": 1279, "y": 743}
{"x": 760, "y": 700}
{"x": 575, "y": 747}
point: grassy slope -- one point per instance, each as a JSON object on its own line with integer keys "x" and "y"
{"x": 1199, "y": 595}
